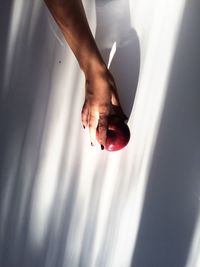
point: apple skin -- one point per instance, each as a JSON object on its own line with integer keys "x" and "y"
{"x": 118, "y": 134}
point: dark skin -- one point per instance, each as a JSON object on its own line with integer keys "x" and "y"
{"x": 100, "y": 88}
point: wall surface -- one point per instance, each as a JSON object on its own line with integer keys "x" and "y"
{"x": 65, "y": 203}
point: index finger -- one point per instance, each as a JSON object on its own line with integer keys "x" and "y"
{"x": 102, "y": 129}
{"x": 93, "y": 122}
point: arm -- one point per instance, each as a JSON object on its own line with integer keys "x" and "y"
{"x": 100, "y": 86}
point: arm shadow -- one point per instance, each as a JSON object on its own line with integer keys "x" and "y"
{"x": 114, "y": 26}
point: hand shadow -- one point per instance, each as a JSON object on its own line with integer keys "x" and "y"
{"x": 113, "y": 25}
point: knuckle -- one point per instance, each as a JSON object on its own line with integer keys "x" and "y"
{"x": 92, "y": 116}
{"x": 102, "y": 125}
{"x": 91, "y": 125}
{"x": 92, "y": 122}
{"x": 83, "y": 114}
{"x": 104, "y": 111}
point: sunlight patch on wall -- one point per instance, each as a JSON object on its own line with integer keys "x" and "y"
{"x": 53, "y": 145}
{"x": 193, "y": 259}
{"x": 16, "y": 16}
{"x": 158, "y": 38}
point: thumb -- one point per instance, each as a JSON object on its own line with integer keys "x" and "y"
{"x": 117, "y": 107}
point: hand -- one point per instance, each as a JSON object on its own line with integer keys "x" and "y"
{"x": 101, "y": 94}
{"x": 100, "y": 98}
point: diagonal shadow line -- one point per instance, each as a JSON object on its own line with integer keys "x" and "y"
{"x": 125, "y": 65}
{"x": 24, "y": 122}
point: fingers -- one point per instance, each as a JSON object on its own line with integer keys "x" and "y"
{"x": 115, "y": 99}
{"x": 115, "y": 102}
{"x": 84, "y": 115}
{"x": 102, "y": 129}
{"x": 93, "y": 123}
{"x": 94, "y": 116}
{"x": 93, "y": 119}
{"x": 117, "y": 107}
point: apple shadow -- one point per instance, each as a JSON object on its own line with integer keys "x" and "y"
{"x": 115, "y": 27}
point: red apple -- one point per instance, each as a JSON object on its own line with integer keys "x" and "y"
{"x": 118, "y": 133}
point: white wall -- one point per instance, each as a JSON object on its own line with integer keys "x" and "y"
{"x": 65, "y": 203}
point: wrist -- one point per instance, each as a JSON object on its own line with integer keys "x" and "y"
{"x": 94, "y": 68}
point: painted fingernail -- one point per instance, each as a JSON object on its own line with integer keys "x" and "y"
{"x": 102, "y": 147}
{"x": 83, "y": 126}
{"x": 92, "y": 144}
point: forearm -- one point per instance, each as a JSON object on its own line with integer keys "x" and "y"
{"x": 70, "y": 17}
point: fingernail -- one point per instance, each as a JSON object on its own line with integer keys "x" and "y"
{"x": 83, "y": 126}
{"x": 102, "y": 147}
{"x": 92, "y": 144}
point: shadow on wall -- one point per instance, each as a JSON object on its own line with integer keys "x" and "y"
{"x": 4, "y": 26}
{"x": 20, "y": 95}
{"x": 114, "y": 25}
{"x": 20, "y": 91}
{"x": 24, "y": 114}
{"x": 172, "y": 197}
